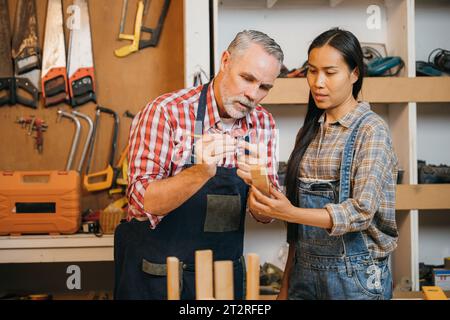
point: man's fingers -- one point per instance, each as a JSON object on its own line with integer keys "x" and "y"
{"x": 243, "y": 166}
{"x": 244, "y": 176}
{"x": 251, "y": 148}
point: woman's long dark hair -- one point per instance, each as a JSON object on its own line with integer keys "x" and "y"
{"x": 348, "y": 45}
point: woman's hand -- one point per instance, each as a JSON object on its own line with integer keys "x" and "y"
{"x": 278, "y": 206}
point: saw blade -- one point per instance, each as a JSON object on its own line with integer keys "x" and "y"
{"x": 7, "y": 95}
{"x": 26, "y": 54}
{"x": 25, "y": 43}
{"x": 6, "y": 66}
{"x": 54, "y": 66}
{"x": 81, "y": 61}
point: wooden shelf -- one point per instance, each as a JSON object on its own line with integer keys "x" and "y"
{"x": 64, "y": 248}
{"x": 375, "y": 90}
{"x": 423, "y": 197}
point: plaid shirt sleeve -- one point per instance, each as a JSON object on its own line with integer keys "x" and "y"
{"x": 150, "y": 153}
{"x": 373, "y": 183}
{"x": 272, "y": 153}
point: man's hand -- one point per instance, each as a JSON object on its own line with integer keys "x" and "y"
{"x": 212, "y": 149}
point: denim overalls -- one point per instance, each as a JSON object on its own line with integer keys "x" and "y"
{"x": 335, "y": 267}
{"x": 212, "y": 219}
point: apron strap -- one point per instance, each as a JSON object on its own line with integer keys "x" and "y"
{"x": 201, "y": 111}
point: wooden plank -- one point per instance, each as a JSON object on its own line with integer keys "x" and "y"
{"x": 204, "y": 275}
{"x": 423, "y": 197}
{"x": 39, "y": 249}
{"x": 82, "y": 254}
{"x": 375, "y": 90}
{"x": 252, "y": 277}
{"x": 63, "y": 241}
{"x": 173, "y": 278}
{"x": 420, "y": 89}
{"x": 223, "y": 280}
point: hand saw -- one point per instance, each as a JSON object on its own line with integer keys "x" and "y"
{"x": 7, "y": 95}
{"x": 81, "y": 62}
{"x": 26, "y": 54}
{"x": 137, "y": 43}
{"x": 54, "y": 70}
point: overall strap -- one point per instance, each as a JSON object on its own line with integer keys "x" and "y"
{"x": 354, "y": 242}
{"x": 347, "y": 160}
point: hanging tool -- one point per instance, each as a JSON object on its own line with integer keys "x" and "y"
{"x": 121, "y": 170}
{"x": 26, "y": 54}
{"x": 76, "y": 137}
{"x": 108, "y": 173}
{"x": 7, "y": 95}
{"x": 81, "y": 61}
{"x": 34, "y": 124}
{"x": 128, "y": 114}
{"x": 40, "y": 127}
{"x": 54, "y": 71}
{"x": 88, "y": 137}
{"x": 137, "y": 43}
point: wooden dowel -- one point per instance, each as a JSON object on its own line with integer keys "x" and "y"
{"x": 173, "y": 278}
{"x": 252, "y": 277}
{"x": 204, "y": 275}
{"x": 223, "y": 280}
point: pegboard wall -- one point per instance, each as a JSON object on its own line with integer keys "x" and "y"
{"x": 121, "y": 84}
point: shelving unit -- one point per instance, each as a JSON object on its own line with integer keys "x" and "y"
{"x": 375, "y": 90}
{"x": 432, "y": 19}
{"x": 293, "y": 24}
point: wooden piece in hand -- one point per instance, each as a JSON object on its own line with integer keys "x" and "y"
{"x": 260, "y": 179}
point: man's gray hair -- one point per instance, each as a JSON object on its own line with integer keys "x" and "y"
{"x": 244, "y": 38}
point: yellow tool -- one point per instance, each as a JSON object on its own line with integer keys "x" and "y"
{"x": 121, "y": 166}
{"x": 155, "y": 33}
{"x": 90, "y": 181}
{"x": 433, "y": 293}
{"x": 136, "y": 37}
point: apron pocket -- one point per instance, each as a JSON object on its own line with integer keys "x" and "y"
{"x": 223, "y": 213}
{"x": 154, "y": 269}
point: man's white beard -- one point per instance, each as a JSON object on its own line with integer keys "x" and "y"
{"x": 232, "y": 111}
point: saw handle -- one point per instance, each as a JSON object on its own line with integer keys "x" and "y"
{"x": 82, "y": 87}
{"x": 155, "y": 32}
{"x": 28, "y": 61}
{"x": 7, "y": 84}
{"x": 54, "y": 86}
{"x": 23, "y": 85}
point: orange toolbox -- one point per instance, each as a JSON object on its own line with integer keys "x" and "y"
{"x": 39, "y": 202}
{"x": 43, "y": 202}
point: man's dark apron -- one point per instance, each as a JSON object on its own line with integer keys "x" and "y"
{"x": 211, "y": 219}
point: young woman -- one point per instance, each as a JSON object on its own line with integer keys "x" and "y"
{"x": 340, "y": 204}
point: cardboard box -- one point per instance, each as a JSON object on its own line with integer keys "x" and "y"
{"x": 441, "y": 278}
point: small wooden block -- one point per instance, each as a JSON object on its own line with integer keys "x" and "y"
{"x": 260, "y": 179}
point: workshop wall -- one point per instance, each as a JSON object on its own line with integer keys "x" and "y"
{"x": 122, "y": 84}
